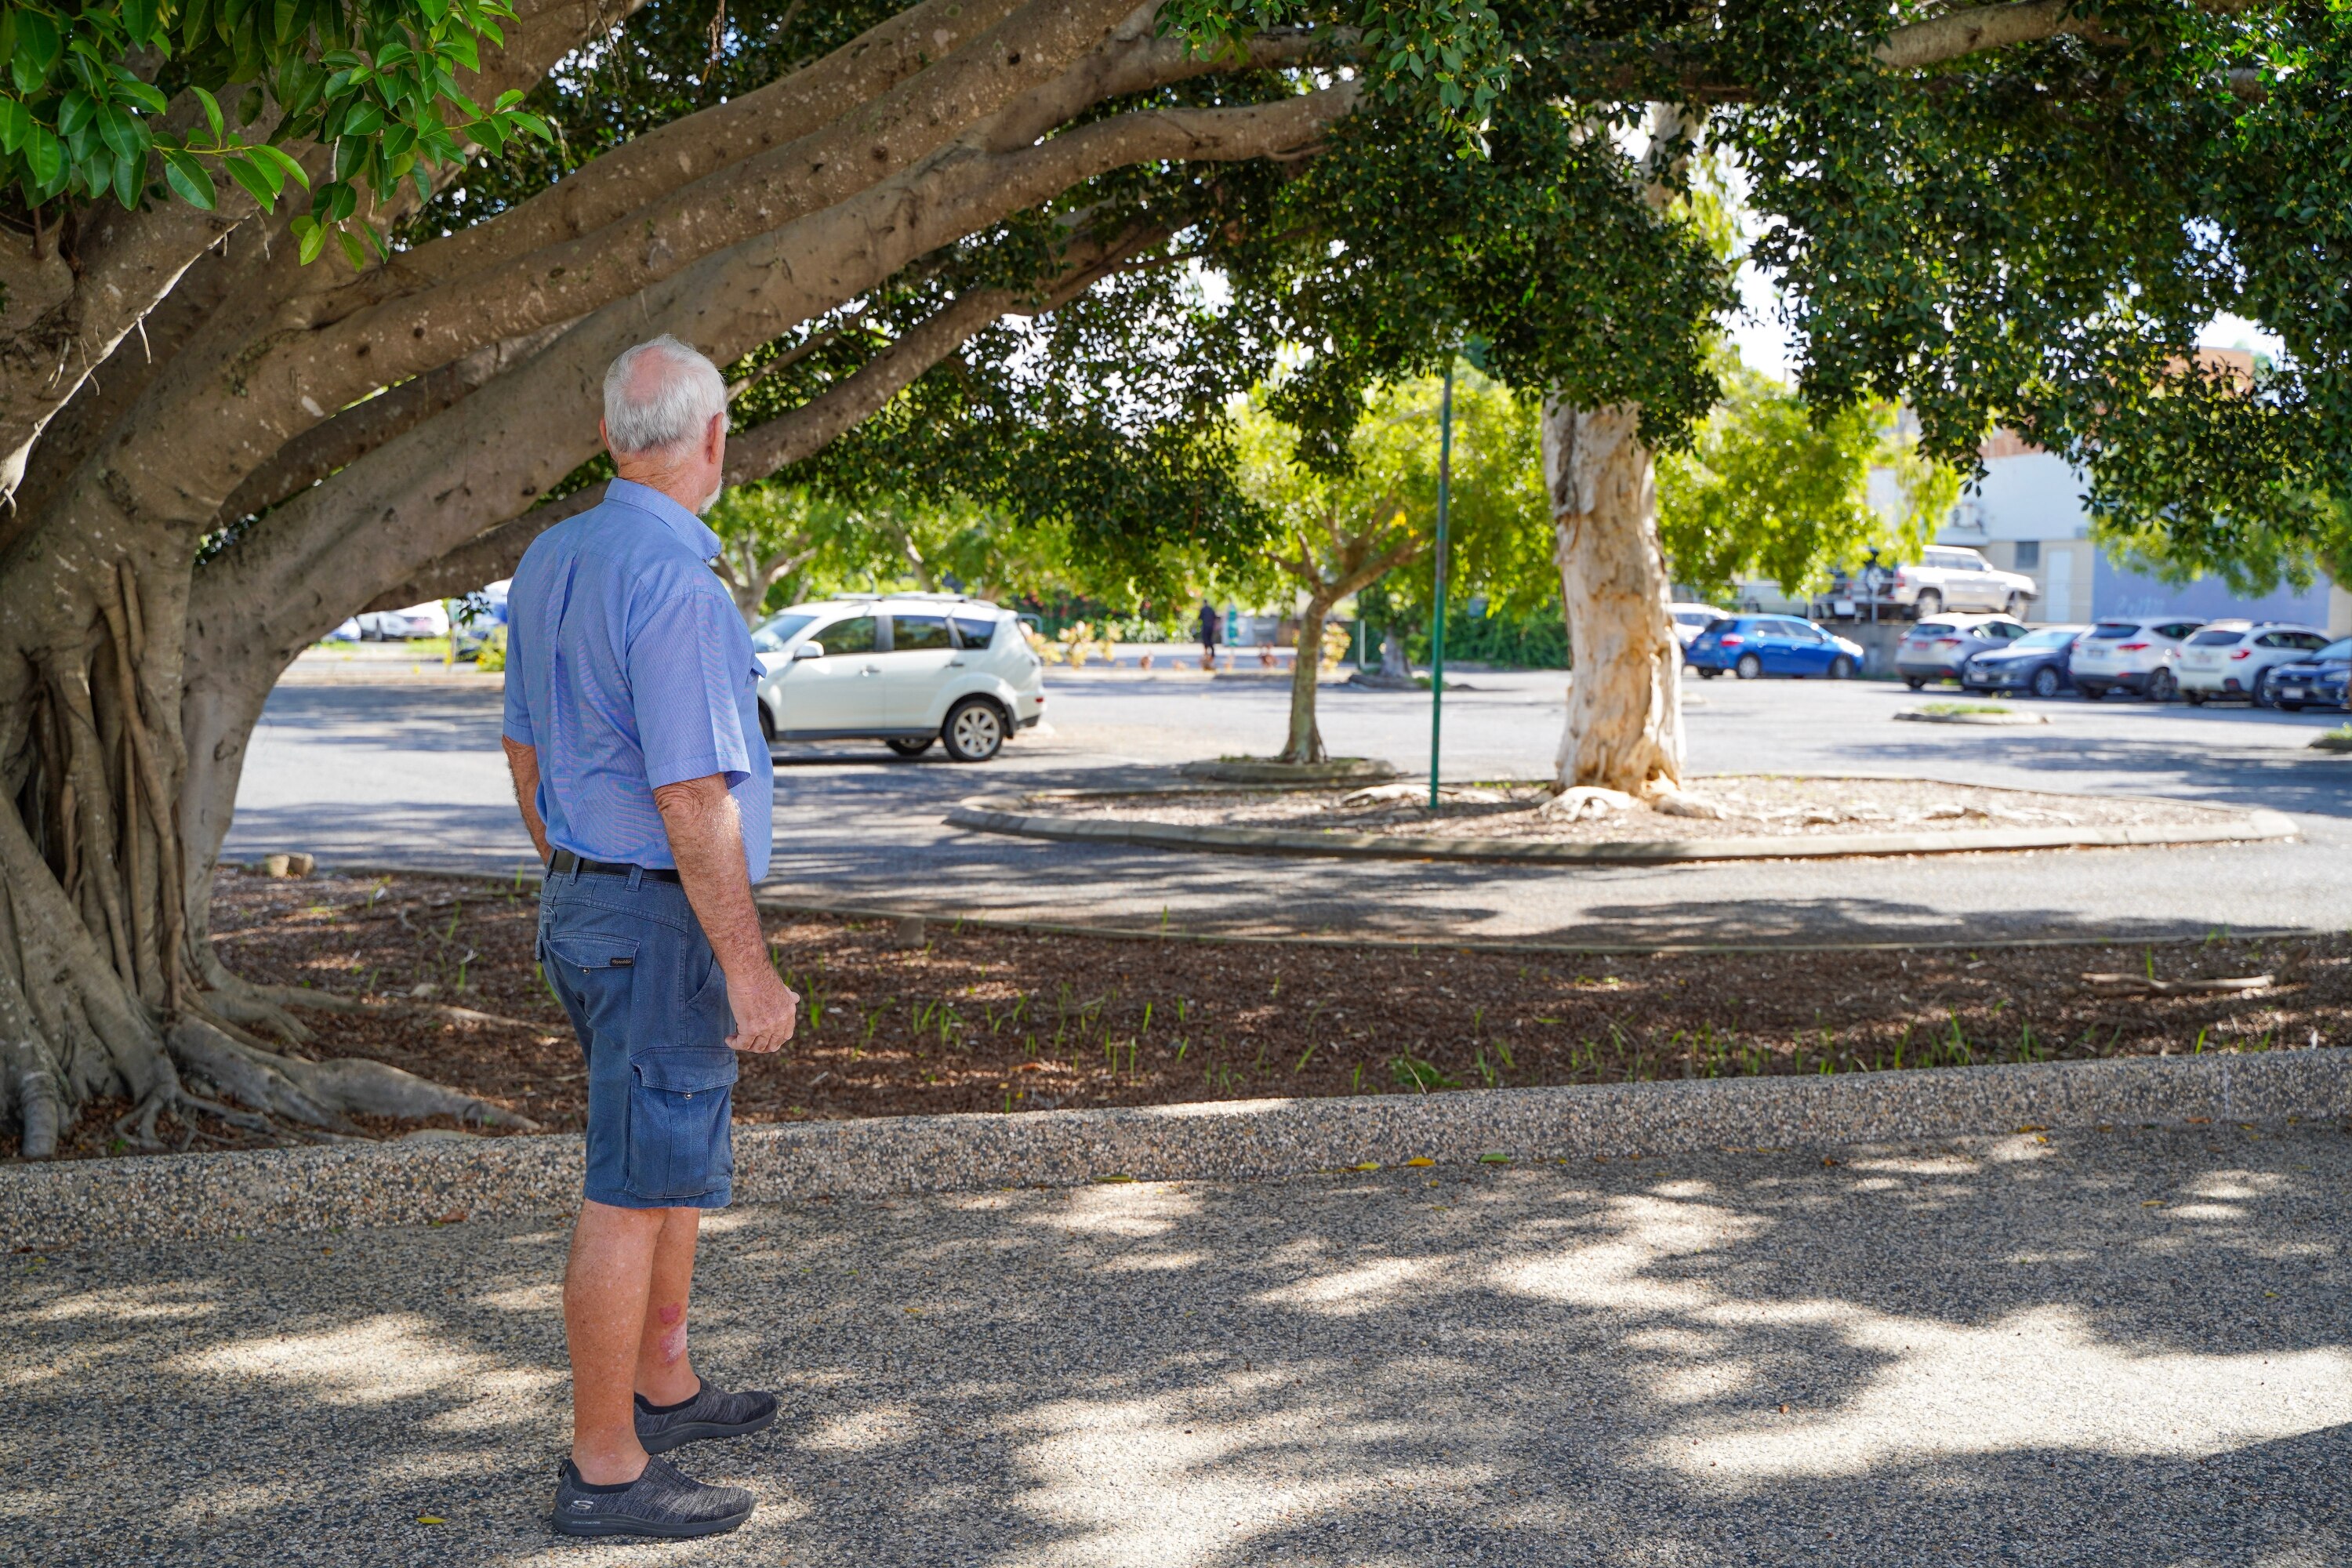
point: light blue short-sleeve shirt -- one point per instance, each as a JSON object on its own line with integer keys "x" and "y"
{"x": 629, "y": 668}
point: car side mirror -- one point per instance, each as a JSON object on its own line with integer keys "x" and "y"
{"x": 809, "y": 650}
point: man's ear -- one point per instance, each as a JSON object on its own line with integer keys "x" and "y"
{"x": 605, "y": 436}
{"x": 714, "y": 440}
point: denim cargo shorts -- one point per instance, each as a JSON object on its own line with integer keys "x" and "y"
{"x": 630, "y": 964}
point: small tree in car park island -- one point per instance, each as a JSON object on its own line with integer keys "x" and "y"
{"x": 309, "y": 316}
{"x": 1336, "y": 534}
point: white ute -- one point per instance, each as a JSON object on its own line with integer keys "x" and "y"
{"x": 907, "y": 670}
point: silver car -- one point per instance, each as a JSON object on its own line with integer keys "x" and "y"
{"x": 1940, "y": 649}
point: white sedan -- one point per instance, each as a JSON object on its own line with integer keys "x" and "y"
{"x": 907, "y": 670}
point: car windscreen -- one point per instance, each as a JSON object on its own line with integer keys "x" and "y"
{"x": 2217, "y": 639}
{"x": 1695, "y": 617}
{"x": 2049, "y": 638}
{"x": 2341, "y": 649}
{"x": 975, "y": 633}
{"x": 2112, "y": 631}
{"x": 775, "y": 636}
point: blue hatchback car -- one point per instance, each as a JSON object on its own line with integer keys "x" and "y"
{"x": 2037, "y": 662}
{"x": 2323, "y": 680}
{"x": 1750, "y": 646}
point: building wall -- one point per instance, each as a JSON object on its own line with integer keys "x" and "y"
{"x": 2028, "y": 516}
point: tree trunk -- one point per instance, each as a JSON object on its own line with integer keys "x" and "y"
{"x": 109, "y": 984}
{"x": 1306, "y": 742}
{"x": 1624, "y": 728}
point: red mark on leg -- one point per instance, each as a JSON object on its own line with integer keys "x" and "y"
{"x": 671, "y": 1313}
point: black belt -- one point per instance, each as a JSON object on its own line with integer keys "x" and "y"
{"x": 565, "y": 863}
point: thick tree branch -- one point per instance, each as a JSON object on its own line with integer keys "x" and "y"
{"x": 790, "y": 438}
{"x": 360, "y": 428}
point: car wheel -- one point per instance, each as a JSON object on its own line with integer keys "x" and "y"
{"x": 910, "y": 746}
{"x": 2045, "y": 682}
{"x": 975, "y": 730}
{"x": 1915, "y": 683}
{"x": 2162, "y": 687}
{"x": 2194, "y": 699}
{"x": 1748, "y": 667}
{"x": 2015, "y": 607}
{"x": 1705, "y": 674}
{"x": 1929, "y": 603}
{"x": 767, "y": 725}
{"x": 1840, "y": 668}
{"x": 2287, "y": 707}
{"x": 2265, "y": 692}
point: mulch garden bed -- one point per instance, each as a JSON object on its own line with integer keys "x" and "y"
{"x": 973, "y": 1020}
{"x": 1754, "y": 805}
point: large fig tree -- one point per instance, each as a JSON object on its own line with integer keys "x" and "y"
{"x": 305, "y": 310}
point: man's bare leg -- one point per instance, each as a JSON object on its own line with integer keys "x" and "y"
{"x": 664, "y": 1374}
{"x": 605, "y": 1290}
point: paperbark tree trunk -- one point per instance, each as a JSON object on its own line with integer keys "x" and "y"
{"x": 1304, "y": 743}
{"x": 1624, "y": 728}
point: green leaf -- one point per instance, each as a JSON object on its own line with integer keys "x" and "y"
{"x": 354, "y": 249}
{"x": 44, "y": 156}
{"x": 364, "y": 121}
{"x": 434, "y": 9}
{"x": 127, "y": 171}
{"x": 74, "y": 111}
{"x": 212, "y": 112}
{"x": 139, "y": 93}
{"x": 125, "y": 137}
{"x": 310, "y": 237}
{"x": 140, "y": 16}
{"x": 16, "y": 124}
{"x": 187, "y": 176}
{"x": 461, "y": 47}
{"x": 246, "y": 173}
{"x": 36, "y": 49}
{"x": 275, "y": 154}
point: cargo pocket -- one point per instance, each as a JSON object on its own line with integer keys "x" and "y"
{"x": 679, "y": 1098}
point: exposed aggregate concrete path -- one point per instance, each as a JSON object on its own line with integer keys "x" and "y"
{"x": 2110, "y": 1348}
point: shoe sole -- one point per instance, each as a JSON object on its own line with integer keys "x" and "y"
{"x": 682, "y": 1531}
{"x": 703, "y": 1431}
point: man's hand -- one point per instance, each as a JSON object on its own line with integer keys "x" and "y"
{"x": 766, "y": 1012}
{"x": 706, "y": 839}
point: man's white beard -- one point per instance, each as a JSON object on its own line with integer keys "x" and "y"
{"x": 702, "y": 507}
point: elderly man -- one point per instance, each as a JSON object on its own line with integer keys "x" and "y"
{"x": 633, "y": 730}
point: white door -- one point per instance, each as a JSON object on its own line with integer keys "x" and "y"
{"x": 2057, "y": 583}
{"x": 915, "y": 670}
{"x": 839, "y": 690}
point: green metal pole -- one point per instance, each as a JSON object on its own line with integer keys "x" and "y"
{"x": 1437, "y": 634}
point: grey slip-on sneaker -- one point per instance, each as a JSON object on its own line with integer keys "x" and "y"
{"x": 711, "y": 1413}
{"x": 660, "y": 1501}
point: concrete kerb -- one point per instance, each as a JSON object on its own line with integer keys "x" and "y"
{"x": 1013, "y": 815}
{"x": 214, "y": 1196}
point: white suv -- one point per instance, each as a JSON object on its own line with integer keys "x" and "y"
{"x": 905, "y": 668}
{"x": 1951, "y": 579}
{"x": 2228, "y": 659}
{"x": 2132, "y": 653}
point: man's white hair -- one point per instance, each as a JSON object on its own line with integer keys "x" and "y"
{"x": 659, "y": 394}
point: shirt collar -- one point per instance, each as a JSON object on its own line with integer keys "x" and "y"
{"x": 688, "y": 528}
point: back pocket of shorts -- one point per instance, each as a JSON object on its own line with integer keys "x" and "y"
{"x": 680, "y": 1100}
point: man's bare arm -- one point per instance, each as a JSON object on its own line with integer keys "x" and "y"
{"x": 523, "y": 762}
{"x": 706, "y": 838}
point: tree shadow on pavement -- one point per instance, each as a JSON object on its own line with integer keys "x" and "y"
{"x": 1989, "y": 1352}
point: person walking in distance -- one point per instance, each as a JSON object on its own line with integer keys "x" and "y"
{"x": 633, "y": 732}
{"x": 1210, "y": 627}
